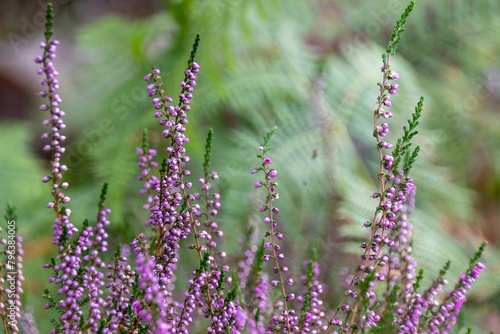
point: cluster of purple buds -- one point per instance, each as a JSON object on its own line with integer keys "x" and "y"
{"x": 214, "y": 204}
{"x": 245, "y": 265}
{"x": 392, "y": 88}
{"x": 50, "y": 86}
{"x": 212, "y": 207}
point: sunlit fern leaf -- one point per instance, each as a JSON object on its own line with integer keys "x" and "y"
{"x": 115, "y": 162}
{"x": 454, "y": 198}
{"x": 432, "y": 248}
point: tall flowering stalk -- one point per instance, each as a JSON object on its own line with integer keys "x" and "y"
{"x": 175, "y": 214}
{"x": 171, "y": 209}
{"x": 119, "y": 284}
{"x": 387, "y": 255}
{"x": 212, "y": 206}
{"x": 146, "y": 164}
{"x": 78, "y": 266}
{"x": 253, "y": 286}
{"x": 396, "y": 190}
{"x": 287, "y": 320}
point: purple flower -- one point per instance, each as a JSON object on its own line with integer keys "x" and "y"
{"x": 386, "y": 145}
{"x": 477, "y": 270}
{"x": 382, "y": 130}
{"x": 55, "y": 139}
{"x": 386, "y": 101}
{"x": 393, "y": 88}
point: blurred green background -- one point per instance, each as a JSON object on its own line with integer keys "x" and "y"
{"x": 309, "y": 67}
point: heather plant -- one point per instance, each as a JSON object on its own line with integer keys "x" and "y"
{"x": 136, "y": 290}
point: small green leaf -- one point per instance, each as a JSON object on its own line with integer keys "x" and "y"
{"x": 208, "y": 152}
{"x": 49, "y": 21}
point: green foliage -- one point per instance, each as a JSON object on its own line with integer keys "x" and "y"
{"x": 444, "y": 270}
{"x": 196, "y": 44}
{"x": 398, "y": 30}
{"x": 204, "y": 265}
{"x": 306, "y": 304}
{"x": 477, "y": 255}
{"x": 267, "y": 139}
{"x": 387, "y": 317}
{"x": 418, "y": 280}
{"x": 404, "y": 143}
{"x": 258, "y": 264}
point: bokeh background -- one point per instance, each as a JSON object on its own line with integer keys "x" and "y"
{"x": 309, "y": 67}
